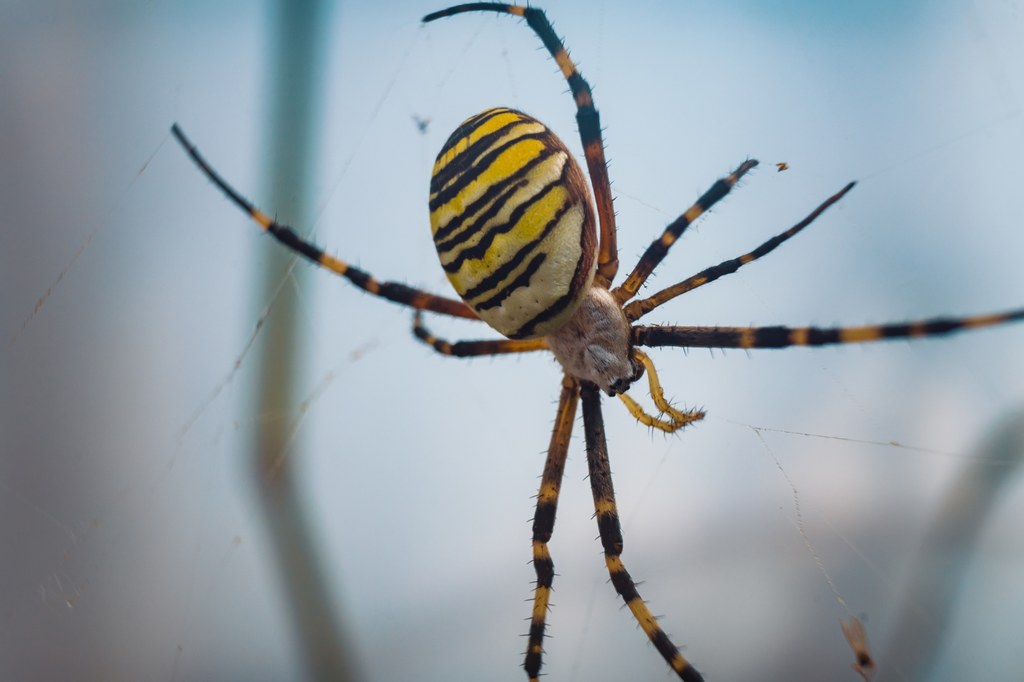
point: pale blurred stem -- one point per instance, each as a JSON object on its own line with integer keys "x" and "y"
{"x": 915, "y": 645}
{"x": 295, "y": 63}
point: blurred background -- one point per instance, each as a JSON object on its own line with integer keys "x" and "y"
{"x": 134, "y": 525}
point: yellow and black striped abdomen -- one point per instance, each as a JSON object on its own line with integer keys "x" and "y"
{"x": 512, "y": 221}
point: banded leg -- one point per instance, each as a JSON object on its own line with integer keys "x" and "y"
{"x": 544, "y": 522}
{"x": 784, "y": 337}
{"x": 611, "y": 535}
{"x": 466, "y": 349}
{"x": 587, "y": 119}
{"x": 392, "y": 291}
{"x": 639, "y": 308}
{"x": 656, "y": 252}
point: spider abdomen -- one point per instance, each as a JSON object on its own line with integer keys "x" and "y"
{"x": 511, "y": 215}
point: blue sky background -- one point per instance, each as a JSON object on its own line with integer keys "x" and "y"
{"x": 137, "y": 552}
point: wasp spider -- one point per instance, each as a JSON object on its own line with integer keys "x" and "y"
{"x": 516, "y": 233}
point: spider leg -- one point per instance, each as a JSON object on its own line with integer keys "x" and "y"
{"x": 656, "y": 252}
{"x": 677, "y": 419}
{"x": 587, "y": 119}
{"x": 641, "y": 307}
{"x": 544, "y": 522}
{"x": 465, "y": 349}
{"x": 393, "y": 291}
{"x": 611, "y": 535}
{"x": 783, "y": 337}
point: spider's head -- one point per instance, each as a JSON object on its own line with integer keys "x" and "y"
{"x": 622, "y": 384}
{"x": 596, "y": 344}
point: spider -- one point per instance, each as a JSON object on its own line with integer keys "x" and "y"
{"x": 515, "y": 230}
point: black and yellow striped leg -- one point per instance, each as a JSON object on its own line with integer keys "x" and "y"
{"x": 611, "y": 534}
{"x": 392, "y": 291}
{"x": 784, "y": 337}
{"x": 639, "y": 308}
{"x": 587, "y": 119}
{"x": 656, "y": 252}
{"x": 544, "y": 523}
{"x": 466, "y": 349}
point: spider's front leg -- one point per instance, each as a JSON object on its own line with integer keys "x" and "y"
{"x": 544, "y": 523}
{"x": 611, "y": 535}
{"x": 784, "y": 337}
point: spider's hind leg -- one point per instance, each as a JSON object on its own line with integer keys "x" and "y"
{"x": 587, "y": 119}
{"x": 640, "y": 307}
{"x": 392, "y": 291}
{"x": 658, "y": 249}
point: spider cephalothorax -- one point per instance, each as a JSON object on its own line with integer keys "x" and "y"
{"x": 515, "y": 231}
{"x": 596, "y": 344}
